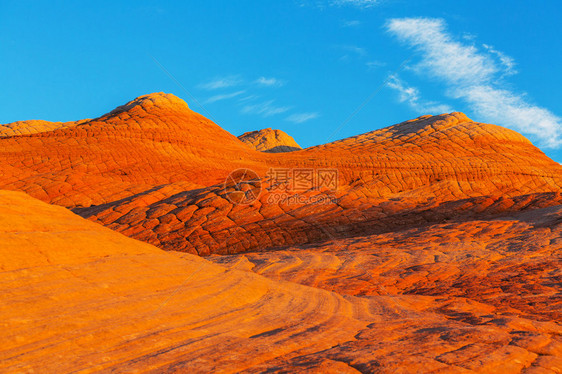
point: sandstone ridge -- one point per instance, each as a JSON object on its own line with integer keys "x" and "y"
{"x": 435, "y": 247}
{"x": 269, "y": 140}
{"x": 34, "y": 127}
{"x": 158, "y": 100}
{"x": 154, "y": 170}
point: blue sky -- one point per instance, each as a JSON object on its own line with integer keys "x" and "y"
{"x": 303, "y": 66}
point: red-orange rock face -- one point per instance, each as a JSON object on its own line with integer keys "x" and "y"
{"x": 34, "y": 127}
{"x": 435, "y": 247}
{"x": 469, "y": 297}
{"x": 154, "y": 170}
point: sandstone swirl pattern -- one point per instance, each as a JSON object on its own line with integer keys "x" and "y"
{"x": 439, "y": 251}
{"x": 77, "y": 297}
{"x": 154, "y": 170}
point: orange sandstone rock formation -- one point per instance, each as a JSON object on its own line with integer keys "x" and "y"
{"x": 78, "y": 297}
{"x": 155, "y": 170}
{"x": 34, "y": 127}
{"x": 437, "y": 250}
{"x": 268, "y": 140}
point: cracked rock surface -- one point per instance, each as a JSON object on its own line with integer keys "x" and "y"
{"x": 155, "y": 171}
{"x": 439, "y": 250}
{"x": 79, "y": 297}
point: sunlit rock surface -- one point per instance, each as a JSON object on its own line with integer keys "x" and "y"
{"x": 34, "y": 127}
{"x": 269, "y": 140}
{"x": 80, "y": 297}
{"x": 155, "y": 170}
{"x": 438, "y": 249}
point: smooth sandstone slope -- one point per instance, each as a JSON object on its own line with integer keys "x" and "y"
{"x": 77, "y": 297}
{"x": 155, "y": 170}
{"x": 80, "y": 297}
{"x": 269, "y": 140}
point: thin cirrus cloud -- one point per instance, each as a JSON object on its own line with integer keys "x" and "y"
{"x": 351, "y": 23}
{"x": 351, "y": 52}
{"x": 214, "y": 99}
{"x": 359, "y": 51}
{"x": 375, "y": 64}
{"x": 265, "y": 109}
{"x": 507, "y": 62}
{"x": 247, "y": 102}
{"x": 411, "y": 96}
{"x": 475, "y": 76}
{"x": 356, "y": 3}
{"x": 222, "y": 82}
{"x": 269, "y": 82}
{"x": 302, "y": 117}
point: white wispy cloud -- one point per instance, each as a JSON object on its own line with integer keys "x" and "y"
{"x": 265, "y": 109}
{"x": 475, "y": 76}
{"x": 351, "y": 52}
{"x": 411, "y": 96}
{"x": 249, "y": 103}
{"x": 357, "y": 3}
{"x": 248, "y": 98}
{"x": 351, "y": 23}
{"x": 221, "y": 82}
{"x": 270, "y": 82}
{"x": 353, "y": 49}
{"x": 302, "y": 117}
{"x": 216, "y": 98}
{"x": 323, "y": 4}
{"x": 507, "y": 62}
{"x": 375, "y": 64}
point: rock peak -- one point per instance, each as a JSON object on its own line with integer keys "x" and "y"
{"x": 270, "y": 140}
{"x": 461, "y": 116}
{"x": 159, "y": 100}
